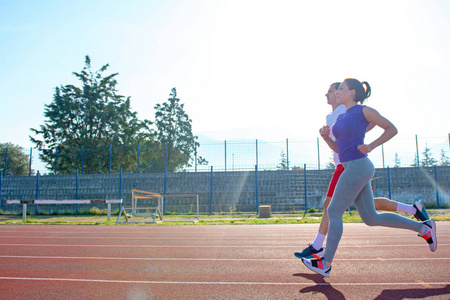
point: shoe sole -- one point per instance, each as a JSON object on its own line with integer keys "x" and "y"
{"x": 422, "y": 214}
{"x": 433, "y": 234}
{"x": 320, "y": 254}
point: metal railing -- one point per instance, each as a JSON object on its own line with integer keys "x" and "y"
{"x": 245, "y": 154}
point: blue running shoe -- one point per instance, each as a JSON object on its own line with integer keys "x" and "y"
{"x": 421, "y": 213}
{"x": 309, "y": 252}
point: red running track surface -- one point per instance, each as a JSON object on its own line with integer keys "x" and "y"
{"x": 216, "y": 262}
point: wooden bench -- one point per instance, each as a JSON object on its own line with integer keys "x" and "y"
{"x": 69, "y": 201}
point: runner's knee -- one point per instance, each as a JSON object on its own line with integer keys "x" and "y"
{"x": 370, "y": 221}
{"x": 334, "y": 212}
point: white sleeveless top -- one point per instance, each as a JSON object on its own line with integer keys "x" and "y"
{"x": 331, "y": 119}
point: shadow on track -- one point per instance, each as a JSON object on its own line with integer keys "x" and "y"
{"x": 414, "y": 293}
{"x": 321, "y": 286}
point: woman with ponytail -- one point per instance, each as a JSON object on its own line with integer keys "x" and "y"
{"x": 354, "y": 183}
{"x": 417, "y": 209}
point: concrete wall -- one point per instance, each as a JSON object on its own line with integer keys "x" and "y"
{"x": 230, "y": 191}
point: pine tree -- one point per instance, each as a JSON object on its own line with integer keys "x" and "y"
{"x": 174, "y": 131}
{"x": 427, "y": 160}
{"x": 284, "y": 164}
{"x": 16, "y": 160}
{"x": 445, "y": 160}
{"x": 397, "y": 161}
{"x": 95, "y": 116}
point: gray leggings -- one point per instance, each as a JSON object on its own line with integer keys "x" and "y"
{"x": 354, "y": 187}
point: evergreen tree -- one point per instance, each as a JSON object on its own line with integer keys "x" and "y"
{"x": 415, "y": 163}
{"x": 397, "y": 161}
{"x": 16, "y": 160}
{"x": 174, "y": 132}
{"x": 427, "y": 160}
{"x": 445, "y": 160}
{"x": 95, "y": 116}
{"x": 284, "y": 163}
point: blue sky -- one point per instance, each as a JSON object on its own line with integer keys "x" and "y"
{"x": 244, "y": 69}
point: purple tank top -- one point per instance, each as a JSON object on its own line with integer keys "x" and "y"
{"x": 350, "y": 130}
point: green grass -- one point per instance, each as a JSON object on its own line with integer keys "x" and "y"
{"x": 89, "y": 219}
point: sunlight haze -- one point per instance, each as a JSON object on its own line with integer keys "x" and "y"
{"x": 243, "y": 69}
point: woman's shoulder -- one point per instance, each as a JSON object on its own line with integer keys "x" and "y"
{"x": 369, "y": 112}
{"x": 366, "y": 108}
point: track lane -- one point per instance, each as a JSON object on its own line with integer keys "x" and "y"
{"x": 217, "y": 262}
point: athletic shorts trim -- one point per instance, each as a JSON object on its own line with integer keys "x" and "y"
{"x": 334, "y": 180}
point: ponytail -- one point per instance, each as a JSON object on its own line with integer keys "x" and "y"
{"x": 362, "y": 89}
{"x": 367, "y": 89}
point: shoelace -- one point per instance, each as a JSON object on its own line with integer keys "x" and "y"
{"x": 427, "y": 235}
{"x": 319, "y": 261}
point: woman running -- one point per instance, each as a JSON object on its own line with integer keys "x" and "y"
{"x": 354, "y": 183}
{"x": 316, "y": 248}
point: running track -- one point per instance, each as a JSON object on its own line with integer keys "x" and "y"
{"x": 216, "y": 262}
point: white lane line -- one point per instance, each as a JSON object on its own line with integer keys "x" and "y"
{"x": 424, "y": 284}
{"x": 207, "y": 259}
{"x": 205, "y": 246}
{"x": 225, "y": 282}
{"x": 176, "y": 238}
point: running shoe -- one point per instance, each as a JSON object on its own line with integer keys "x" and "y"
{"x": 308, "y": 252}
{"x": 317, "y": 265}
{"x": 421, "y": 213}
{"x": 430, "y": 236}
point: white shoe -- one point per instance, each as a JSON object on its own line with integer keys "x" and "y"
{"x": 317, "y": 265}
{"x": 430, "y": 236}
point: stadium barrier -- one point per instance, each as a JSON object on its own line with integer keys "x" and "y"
{"x": 68, "y": 201}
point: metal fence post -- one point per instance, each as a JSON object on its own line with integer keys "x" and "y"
{"x": 76, "y": 191}
{"x": 382, "y": 154}
{"x": 437, "y": 184}
{"x": 110, "y": 157}
{"x": 389, "y": 182}
{"x": 120, "y": 189}
{"x": 256, "y": 151}
{"x": 225, "y": 145}
{"x": 29, "y": 165}
{"x": 165, "y": 171}
{"x": 256, "y": 189}
{"x": 6, "y": 161}
{"x": 306, "y": 196}
{"x": 287, "y": 153}
{"x": 211, "y": 192}
{"x": 1, "y": 177}
{"x": 37, "y": 193}
{"x": 165, "y": 178}
{"x": 82, "y": 158}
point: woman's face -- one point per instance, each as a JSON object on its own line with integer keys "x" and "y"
{"x": 331, "y": 95}
{"x": 344, "y": 95}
